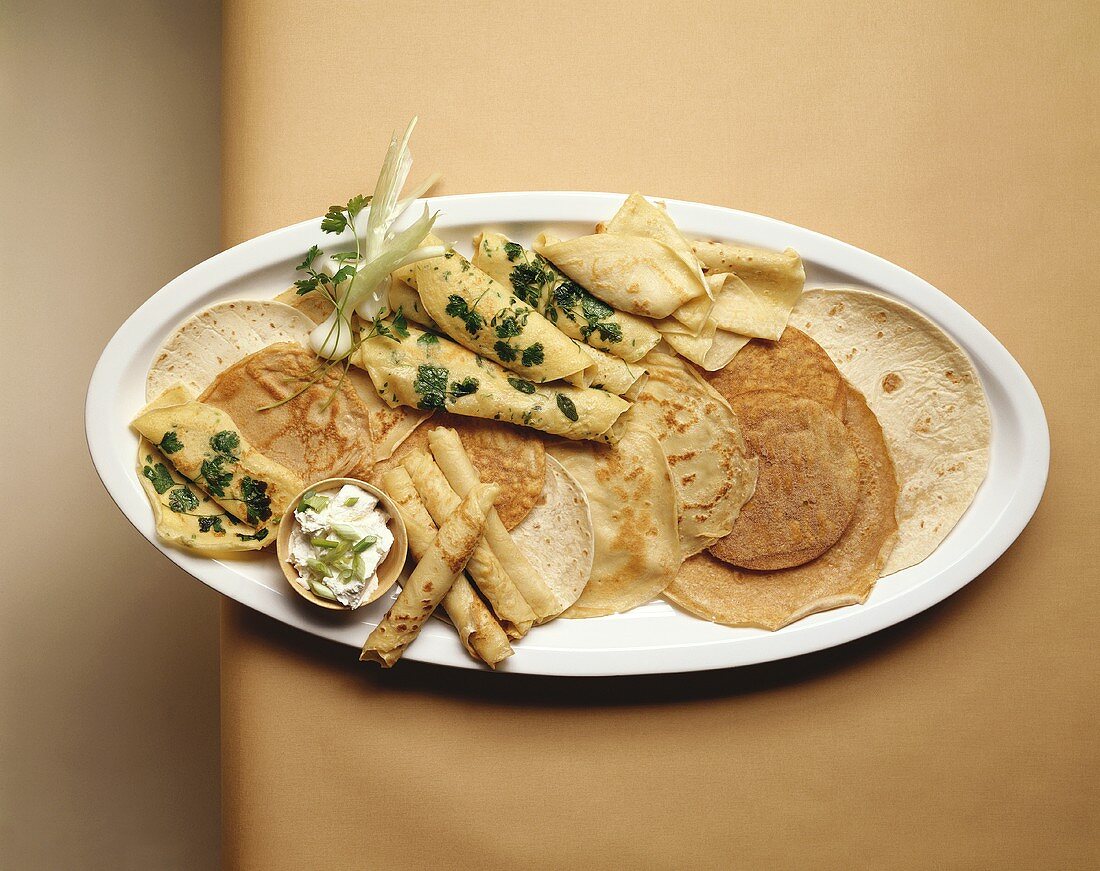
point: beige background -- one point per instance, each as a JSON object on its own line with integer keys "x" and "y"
{"x": 108, "y": 653}
{"x": 958, "y": 141}
{"x": 955, "y": 139}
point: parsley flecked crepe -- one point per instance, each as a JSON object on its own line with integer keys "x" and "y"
{"x": 205, "y": 446}
{"x": 563, "y": 302}
{"x": 484, "y": 316}
{"x": 423, "y": 370}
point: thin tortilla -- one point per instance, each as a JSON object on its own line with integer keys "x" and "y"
{"x": 926, "y": 394}
{"x": 844, "y": 575}
{"x": 208, "y": 342}
{"x": 633, "y": 503}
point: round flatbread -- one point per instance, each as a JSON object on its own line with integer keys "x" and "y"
{"x": 928, "y": 397}
{"x": 633, "y": 502}
{"x": 219, "y": 336}
{"x": 795, "y": 364}
{"x": 699, "y": 433}
{"x": 289, "y": 409}
{"x": 807, "y": 486}
{"x": 844, "y": 575}
{"x": 556, "y": 537}
{"x": 502, "y": 454}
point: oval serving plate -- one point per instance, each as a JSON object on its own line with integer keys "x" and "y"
{"x": 655, "y": 637}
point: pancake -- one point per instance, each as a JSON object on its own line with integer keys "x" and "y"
{"x": 807, "y": 486}
{"x": 502, "y": 454}
{"x": 928, "y": 397}
{"x": 702, "y": 442}
{"x": 795, "y": 364}
{"x": 321, "y": 431}
{"x": 844, "y": 575}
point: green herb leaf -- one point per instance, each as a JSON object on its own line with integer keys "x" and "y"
{"x": 567, "y": 407}
{"x": 532, "y": 355}
{"x": 334, "y": 221}
{"x": 305, "y": 285}
{"x": 257, "y": 502}
{"x": 505, "y": 352}
{"x": 226, "y": 442}
{"x": 510, "y": 322}
{"x": 458, "y": 308}
{"x": 160, "y": 477}
{"x": 312, "y": 254}
{"x": 259, "y": 535}
{"x": 217, "y": 479}
{"x": 170, "y": 443}
{"x": 464, "y": 387}
{"x": 427, "y": 339}
{"x": 513, "y": 250}
{"x": 431, "y": 384}
{"x": 182, "y": 500}
{"x": 522, "y": 385}
{"x": 401, "y": 324}
{"x": 356, "y": 204}
{"x": 211, "y": 523}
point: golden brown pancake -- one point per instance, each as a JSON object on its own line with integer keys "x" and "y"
{"x": 322, "y": 432}
{"x": 503, "y": 454}
{"x": 795, "y": 364}
{"x": 807, "y": 485}
{"x": 844, "y": 575}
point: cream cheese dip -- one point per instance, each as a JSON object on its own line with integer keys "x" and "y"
{"x": 338, "y": 540}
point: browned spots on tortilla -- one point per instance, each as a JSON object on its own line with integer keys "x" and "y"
{"x": 891, "y": 382}
{"x": 951, "y": 376}
{"x": 879, "y": 317}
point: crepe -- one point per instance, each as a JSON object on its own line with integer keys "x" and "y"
{"x": 926, "y": 394}
{"x": 634, "y": 274}
{"x": 711, "y": 348}
{"x": 462, "y": 475}
{"x": 485, "y": 317}
{"x": 563, "y": 302}
{"x": 389, "y": 426}
{"x": 184, "y": 514}
{"x": 486, "y": 569}
{"x": 795, "y": 364}
{"x": 502, "y": 454}
{"x": 208, "y": 342}
{"x": 701, "y": 439}
{"x": 844, "y": 575}
{"x": 318, "y": 428}
{"x": 614, "y": 375}
{"x": 760, "y": 302}
{"x": 807, "y": 485}
{"x": 435, "y": 573}
{"x": 422, "y": 370}
{"x": 556, "y": 537}
{"x": 633, "y": 503}
{"x": 477, "y": 629}
{"x": 205, "y": 445}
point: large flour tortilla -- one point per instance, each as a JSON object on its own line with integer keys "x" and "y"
{"x": 844, "y": 575}
{"x": 637, "y": 550}
{"x": 217, "y": 337}
{"x": 928, "y": 398}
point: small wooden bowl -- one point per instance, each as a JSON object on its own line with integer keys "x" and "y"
{"x": 388, "y": 570}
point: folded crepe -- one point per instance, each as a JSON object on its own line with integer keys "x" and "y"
{"x": 431, "y": 580}
{"x": 485, "y": 567}
{"x": 423, "y": 370}
{"x": 205, "y": 446}
{"x": 641, "y": 264}
{"x": 484, "y": 316}
{"x": 767, "y": 286}
{"x": 563, "y": 302}
{"x": 478, "y": 630}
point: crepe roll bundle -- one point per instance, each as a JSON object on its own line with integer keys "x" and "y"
{"x": 478, "y": 630}
{"x": 563, "y": 302}
{"x": 434, "y": 575}
{"x": 422, "y": 370}
{"x": 462, "y": 475}
{"x": 205, "y": 445}
{"x": 484, "y": 316}
{"x": 485, "y": 568}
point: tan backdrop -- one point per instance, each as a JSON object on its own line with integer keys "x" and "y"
{"x": 955, "y": 139}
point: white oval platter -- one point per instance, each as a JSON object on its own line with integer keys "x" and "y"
{"x": 656, "y": 637}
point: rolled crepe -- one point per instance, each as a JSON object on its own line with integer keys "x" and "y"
{"x": 487, "y": 318}
{"x": 463, "y": 477}
{"x": 422, "y": 370}
{"x": 204, "y": 444}
{"x": 515, "y": 615}
{"x": 405, "y": 299}
{"x": 477, "y": 629}
{"x": 563, "y": 302}
{"x": 432, "y": 578}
